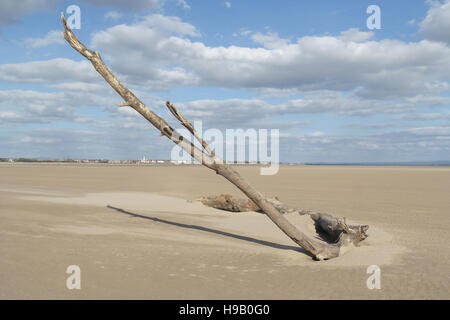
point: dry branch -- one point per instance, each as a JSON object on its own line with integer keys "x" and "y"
{"x": 318, "y": 250}
{"x": 190, "y": 127}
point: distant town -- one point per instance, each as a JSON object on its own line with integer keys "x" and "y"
{"x": 144, "y": 160}
{"x": 92, "y": 161}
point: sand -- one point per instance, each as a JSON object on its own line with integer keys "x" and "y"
{"x": 136, "y": 232}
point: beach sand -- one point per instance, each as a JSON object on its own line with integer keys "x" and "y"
{"x": 136, "y": 232}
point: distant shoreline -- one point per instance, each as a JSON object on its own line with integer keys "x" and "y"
{"x": 384, "y": 164}
{"x": 157, "y": 162}
{"x": 106, "y": 164}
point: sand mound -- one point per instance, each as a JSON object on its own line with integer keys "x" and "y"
{"x": 256, "y": 231}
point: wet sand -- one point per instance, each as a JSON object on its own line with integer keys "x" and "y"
{"x": 137, "y": 233}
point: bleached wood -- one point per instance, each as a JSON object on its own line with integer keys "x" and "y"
{"x": 318, "y": 250}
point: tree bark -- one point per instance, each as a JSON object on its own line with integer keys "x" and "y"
{"x": 318, "y": 250}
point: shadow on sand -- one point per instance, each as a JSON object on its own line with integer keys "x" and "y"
{"x": 215, "y": 231}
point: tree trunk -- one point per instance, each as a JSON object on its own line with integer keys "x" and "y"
{"x": 317, "y": 249}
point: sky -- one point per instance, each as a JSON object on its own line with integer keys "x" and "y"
{"x": 336, "y": 90}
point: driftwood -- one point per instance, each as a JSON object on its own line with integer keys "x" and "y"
{"x": 229, "y": 203}
{"x": 336, "y": 230}
{"x": 318, "y": 249}
{"x": 233, "y": 204}
{"x": 331, "y": 229}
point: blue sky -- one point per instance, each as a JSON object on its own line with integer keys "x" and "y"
{"x": 337, "y": 91}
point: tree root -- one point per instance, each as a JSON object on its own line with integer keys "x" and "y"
{"x": 331, "y": 229}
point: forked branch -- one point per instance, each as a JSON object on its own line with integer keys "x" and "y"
{"x": 189, "y": 126}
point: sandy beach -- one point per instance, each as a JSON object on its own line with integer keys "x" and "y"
{"x": 136, "y": 232}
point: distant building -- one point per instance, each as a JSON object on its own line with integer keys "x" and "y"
{"x": 145, "y": 160}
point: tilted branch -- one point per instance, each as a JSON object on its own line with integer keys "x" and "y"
{"x": 317, "y": 249}
{"x": 189, "y": 126}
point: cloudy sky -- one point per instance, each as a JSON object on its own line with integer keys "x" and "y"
{"x": 337, "y": 91}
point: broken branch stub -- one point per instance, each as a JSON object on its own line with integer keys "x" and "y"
{"x": 318, "y": 250}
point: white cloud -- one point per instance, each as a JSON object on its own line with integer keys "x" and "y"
{"x": 28, "y": 106}
{"x": 12, "y": 10}
{"x": 24, "y": 106}
{"x": 419, "y": 144}
{"x": 227, "y": 4}
{"x": 245, "y": 32}
{"x": 29, "y": 139}
{"x": 231, "y": 113}
{"x": 168, "y": 25}
{"x": 270, "y": 40}
{"x": 113, "y": 15}
{"x": 52, "y": 37}
{"x": 54, "y": 70}
{"x": 339, "y": 103}
{"x": 164, "y": 56}
{"x": 371, "y": 125}
{"x": 80, "y": 86}
{"x": 354, "y": 35}
{"x": 119, "y": 142}
{"x": 127, "y": 135}
{"x": 427, "y": 116}
{"x": 183, "y": 4}
{"x": 350, "y": 74}
{"x": 428, "y": 131}
{"x": 436, "y": 25}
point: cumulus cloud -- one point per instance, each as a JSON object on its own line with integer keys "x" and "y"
{"x": 25, "y": 106}
{"x": 59, "y": 69}
{"x": 227, "y": 113}
{"x": 149, "y": 64}
{"x": 420, "y": 144}
{"x": 257, "y": 113}
{"x": 353, "y": 34}
{"x": 110, "y": 135}
{"x": 113, "y": 15}
{"x": 52, "y": 37}
{"x": 80, "y": 86}
{"x": 350, "y": 75}
{"x": 427, "y": 116}
{"x": 270, "y": 40}
{"x": 436, "y": 25}
{"x": 371, "y": 125}
{"x": 28, "y": 106}
{"x": 94, "y": 143}
{"x": 39, "y": 140}
{"x": 12, "y": 10}
{"x": 164, "y": 53}
{"x": 183, "y": 4}
{"x": 333, "y": 102}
